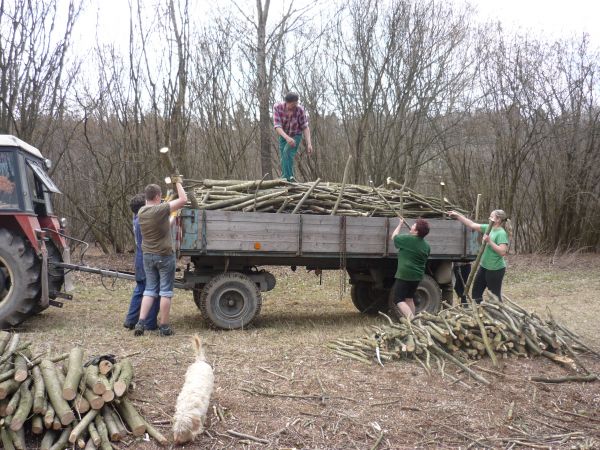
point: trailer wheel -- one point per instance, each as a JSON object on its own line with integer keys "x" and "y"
{"x": 20, "y": 289}
{"x": 367, "y": 299}
{"x": 428, "y": 296}
{"x": 447, "y": 293}
{"x": 230, "y": 300}
{"x": 197, "y": 294}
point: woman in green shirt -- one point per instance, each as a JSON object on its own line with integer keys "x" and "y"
{"x": 413, "y": 252}
{"x": 493, "y": 266}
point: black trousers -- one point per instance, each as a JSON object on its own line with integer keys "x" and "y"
{"x": 491, "y": 279}
{"x": 461, "y": 275}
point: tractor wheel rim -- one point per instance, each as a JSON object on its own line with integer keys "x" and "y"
{"x": 6, "y": 278}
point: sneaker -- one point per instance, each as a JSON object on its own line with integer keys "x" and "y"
{"x": 129, "y": 326}
{"x": 165, "y": 330}
{"x": 139, "y": 328}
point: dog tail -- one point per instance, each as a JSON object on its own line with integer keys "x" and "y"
{"x": 198, "y": 348}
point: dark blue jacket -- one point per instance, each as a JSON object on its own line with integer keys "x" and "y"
{"x": 140, "y": 275}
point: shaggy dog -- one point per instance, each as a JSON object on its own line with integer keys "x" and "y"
{"x": 192, "y": 402}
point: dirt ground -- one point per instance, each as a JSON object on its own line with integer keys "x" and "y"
{"x": 277, "y": 382}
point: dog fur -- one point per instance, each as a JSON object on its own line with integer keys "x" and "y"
{"x": 194, "y": 398}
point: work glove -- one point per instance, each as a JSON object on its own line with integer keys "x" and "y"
{"x": 177, "y": 179}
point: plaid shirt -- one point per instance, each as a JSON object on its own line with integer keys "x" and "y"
{"x": 292, "y": 124}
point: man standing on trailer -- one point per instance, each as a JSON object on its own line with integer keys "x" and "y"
{"x": 159, "y": 257}
{"x": 290, "y": 121}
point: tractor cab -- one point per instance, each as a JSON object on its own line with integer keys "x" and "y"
{"x": 31, "y": 236}
{"x": 24, "y": 184}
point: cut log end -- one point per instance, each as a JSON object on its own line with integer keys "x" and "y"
{"x": 105, "y": 367}
{"x": 99, "y": 388}
{"x": 139, "y": 430}
{"x": 108, "y": 396}
{"x": 16, "y": 424}
{"x": 69, "y": 393}
{"x": 20, "y": 375}
{"x": 67, "y": 417}
{"x": 96, "y": 402}
{"x": 120, "y": 388}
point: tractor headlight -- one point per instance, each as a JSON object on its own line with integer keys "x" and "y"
{"x": 48, "y": 164}
{"x": 63, "y": 222}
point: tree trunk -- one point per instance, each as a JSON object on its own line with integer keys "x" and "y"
{"x": 262, "y": 87}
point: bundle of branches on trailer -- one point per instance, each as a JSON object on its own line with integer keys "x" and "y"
{"x": 62, "y": 402}
{"x": 461, "y": 334}
{"x": 316, "y": 198}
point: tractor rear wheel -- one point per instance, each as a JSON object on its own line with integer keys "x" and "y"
{"x": 56, "y": 276}
{"x": 20, "y": 278}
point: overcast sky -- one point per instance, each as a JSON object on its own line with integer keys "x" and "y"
{"x": 550, "y": 18}
{"x": 554, "y": 18}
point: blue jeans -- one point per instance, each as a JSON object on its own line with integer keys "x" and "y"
{"x": 133, "y": 314}
{"x": 160, "y": 275}
{"x": 287, "y": 154}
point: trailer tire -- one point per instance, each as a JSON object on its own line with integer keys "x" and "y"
{"x": 428, "y": 296}
{"x": 230, "y": 300}
{"x": 197, "y": 294}
{"x": 20, "y": 268}
{"x": 367, "y": 299}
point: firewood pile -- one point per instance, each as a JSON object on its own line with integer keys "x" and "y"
{"x": 66, "y": 405}
{"x": 316, "y": 198}
{"x": 459, "y": 334}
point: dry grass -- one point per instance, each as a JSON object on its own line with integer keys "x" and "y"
{"x": 315, "y": 399}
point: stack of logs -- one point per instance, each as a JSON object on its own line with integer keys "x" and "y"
{"x": 455, "y": 335}
{"x": 316, "y": 198}
{"x": 68, "y": 405}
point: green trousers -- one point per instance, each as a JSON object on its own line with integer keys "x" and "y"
{"x": 287, "y": 154}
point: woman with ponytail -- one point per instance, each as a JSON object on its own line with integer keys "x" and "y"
{"x": 493, "y": 266}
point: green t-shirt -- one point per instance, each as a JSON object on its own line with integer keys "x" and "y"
{"x": 156, "y": 229}
{"x": 413, "y": 252}
{"x": 491, "y": 260}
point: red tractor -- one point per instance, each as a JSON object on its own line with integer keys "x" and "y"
{"x": 31, "y": 236}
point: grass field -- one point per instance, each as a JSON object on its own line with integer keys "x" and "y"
{"x": 278, "y": 382}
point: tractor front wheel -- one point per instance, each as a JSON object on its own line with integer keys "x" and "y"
{"x": 19, "y": 279}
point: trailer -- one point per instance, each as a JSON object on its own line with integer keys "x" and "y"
{"x": 231, "y": 253}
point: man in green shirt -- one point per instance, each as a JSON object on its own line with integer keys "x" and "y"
{"x": 159, "y": 258}
{"x": 413, "y": 252}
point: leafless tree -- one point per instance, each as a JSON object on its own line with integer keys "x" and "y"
{"x": 34, "y": 80}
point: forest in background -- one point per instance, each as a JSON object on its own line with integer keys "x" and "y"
{"x": 414, "y": 90}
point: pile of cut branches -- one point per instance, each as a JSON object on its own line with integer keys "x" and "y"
{"x": 457, "y": 335}
{"x": 73, "y": 404}
{"x": 316, "y": 198}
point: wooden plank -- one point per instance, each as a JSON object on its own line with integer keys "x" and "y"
{"x": 250, "y": 217}
{"x": 238, "y": 231}
{"x": 248, "y": 246}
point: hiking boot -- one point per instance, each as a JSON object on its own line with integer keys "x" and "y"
{"x": 139, "y": 328}
{"x": 129, "y": 326}
{"x": 165, "y": 330}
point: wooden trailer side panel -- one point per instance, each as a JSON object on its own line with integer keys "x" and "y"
{"x": 210, "y": 232}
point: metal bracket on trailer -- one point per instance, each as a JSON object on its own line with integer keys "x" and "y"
{"x": 203, "y": 240}
{"x": 387, "y": 236}
{"x": 300, "y": 223}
